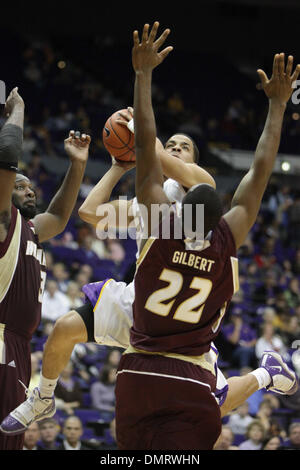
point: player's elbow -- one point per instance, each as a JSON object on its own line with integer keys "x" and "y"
{"x": 142, "y": 188}
{"x": 204, "y": 177}
{"x": 59, "y": 225}
{"x": 92, "y": 217}
{"x": 87, "y": 215}
{"x": 84, "y": 214}
{"x": 212, "y": 182}
{"x": 140, "y": 195}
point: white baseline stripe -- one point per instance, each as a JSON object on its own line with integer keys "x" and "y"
{"x": 164, "y": 375}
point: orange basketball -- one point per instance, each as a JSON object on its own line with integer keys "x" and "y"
{"x": 118, "y": 139}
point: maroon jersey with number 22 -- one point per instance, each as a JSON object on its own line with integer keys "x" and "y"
{"x": 182, "y": 292}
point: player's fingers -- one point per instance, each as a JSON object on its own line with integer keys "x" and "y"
{"x": 71, "y": 133}
{"x": 275, "y": 65}
{"x": 14, "y": 91}
{"x": 145, "y": 33}
{"x": 124, "y": 115}
{"x": 153, "y": 32}
{"x": 263, "y": 77}
{"x": 163, "y": 54}
{"x": 122, "y": 122}
{"x": 281, "y": 65}
{"x": 85, "y": 139}
{"x": 296, "y": 73}
{"x": 289, "y": 65}
{"x": 77, "y": 135}
{"x": 130, "y": 110}
{"x": 159, "y": 42}
{"x": 136, "y": 39}
{"x": 10, "y": 95}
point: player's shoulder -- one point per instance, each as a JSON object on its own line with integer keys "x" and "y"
{"x": 11, "y": 240}
{"x": 223, "y": 234}
{"x": 8, "y": 221}
{"x": 30, "y": 224}
{"x": 223, "y": 226}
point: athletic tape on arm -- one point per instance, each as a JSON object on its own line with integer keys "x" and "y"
{"x": 11, "y": 138}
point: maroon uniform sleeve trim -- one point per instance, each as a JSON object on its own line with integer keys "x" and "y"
{"x": 144, "y": 251}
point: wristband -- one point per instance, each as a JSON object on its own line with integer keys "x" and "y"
{"x": 9, "y": 167}
{"x": 11, "y": 137}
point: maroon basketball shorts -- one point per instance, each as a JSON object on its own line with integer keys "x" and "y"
{"x": 15, "y": 365}
{"x": 165, "y": 404}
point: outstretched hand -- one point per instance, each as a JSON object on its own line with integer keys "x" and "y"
{"x": 77, "y": 146}
{"x": 126, "y": 166}
{"x": 13, "y": 100}
{"x": 125, "y": 116}
{"x": 279, "y": 86}
{"x": 145, "y": 53}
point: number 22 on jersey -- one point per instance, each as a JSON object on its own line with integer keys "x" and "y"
{"x": 190, "y": 310}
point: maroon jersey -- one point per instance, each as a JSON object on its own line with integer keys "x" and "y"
{"x": 22, "y": 277}
{"x": 182, "y": 295}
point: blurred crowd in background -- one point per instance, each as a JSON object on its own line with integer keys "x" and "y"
{"x": 63, "y": 93}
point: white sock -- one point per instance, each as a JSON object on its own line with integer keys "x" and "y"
{"x": 262, "y": 376}
{"x": 47, "y": 386}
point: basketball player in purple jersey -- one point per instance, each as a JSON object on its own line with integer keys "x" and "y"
{"x": 22, "y": 259}
{"x": 165, "y": 390}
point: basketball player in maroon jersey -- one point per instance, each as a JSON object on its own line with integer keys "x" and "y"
{"x": 231, "y": 395}
{"x": 165, "y": 388}
{"x": 22, "y": 259}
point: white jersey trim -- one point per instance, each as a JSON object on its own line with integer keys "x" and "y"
{"x": 235, "y": 273}
{"x": 2, "y": 345}
{"x": 8, "y": 262}
{"x": 167, "y": 376}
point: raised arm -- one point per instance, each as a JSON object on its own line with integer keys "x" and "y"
{"x": 54, "y": 220}
{"x": 149, "y": 175}
{"x": 11, "y": 138}
{"x": 186, "y": 174}
{"x": 101, "y": 193}
{"x": 247, "y": 198}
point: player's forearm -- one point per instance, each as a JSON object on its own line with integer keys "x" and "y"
{"x": 64, "y": 201}
{"x": 148, "y": 166}
{"x": 145, "y": 128}
{"x": 11, "y": 139}
{"x": 269, "y": 141}
{"x": 187, "y": 174}
{"x": 101, "y": 193}
{"x": 171, "y": 167}
{"x": 239, "y": 389}
{"x": 17, "y": 116}
{"x": 251, "y": 189}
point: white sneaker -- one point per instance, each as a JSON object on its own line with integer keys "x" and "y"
{"x": 34, "y": 408}
{"x": 283, "y": 380}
